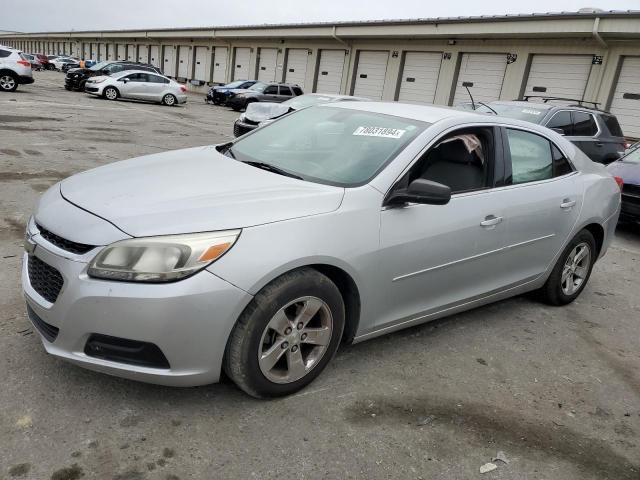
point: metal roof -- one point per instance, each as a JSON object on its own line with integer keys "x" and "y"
{"x": 591, "y": 13}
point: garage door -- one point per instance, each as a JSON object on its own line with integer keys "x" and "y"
{"x": 154, "y": 56}
{"x": 241, "y": 63}
{"x": 486, "y": 72}
{"x": 143, "y": 53}
{"x": 267, "y": 64}
{"x": 296, "y": 70}
{"x": 169, "y": 61}
{"x": 200, "y": 68}
{"x": 102, "y": 51}
{"x": 372, "y": 68}
{"x": 122, "y": 51}
{"x": 559, "y": 76}
{"x": 330, "y": 68}
{"x": 183, "y": 62}
{"x": 626, "y": 97}
{"x": 111, "y": 53}
{"x": 419, "y": 77}
{"x": 131, "y": 52}
{"x": 220, "y": 64}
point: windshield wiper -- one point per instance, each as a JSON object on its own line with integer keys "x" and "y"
{"x": 272, "y": 168}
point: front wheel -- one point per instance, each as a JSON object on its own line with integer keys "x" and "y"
{"x": 287, "y": 335}
{"x": 169, "y": 100}
{"x": 8, "y": 82}
{"x": 572, "y": 270}
{"x": 110, "y": 93}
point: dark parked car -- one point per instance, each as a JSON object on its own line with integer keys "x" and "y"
{"x": 628, "y": 169}
{"x": 77, "y": 77}
{"x": 261, "y": 113}
{"x": 218, "y": 94}
{"x": 596, "y": 132}
{"x": 263, "y": 92}
{"x": 73, "y": 63}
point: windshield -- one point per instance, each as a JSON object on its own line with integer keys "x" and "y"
{"x": 519, "y": 112}
{"x": 235, "y": 84}
{"x": 335, "y": 146}
{"x": 99, "y": 66}
{"x": 258, "y": 87}
{"x": 632, "y": 157}
{"x": 304, "y": 101}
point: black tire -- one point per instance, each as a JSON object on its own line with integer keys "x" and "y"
{"x": 552, "y": 292}
{"x": 241, "y": 361}
{"x": 111, "y": 93}
{"x": 169, "y": 100}
{"x": 8, "y": 82}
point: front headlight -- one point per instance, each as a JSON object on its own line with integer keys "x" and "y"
{"x": 98, "y": 81}
{"x": 161, "y": 259}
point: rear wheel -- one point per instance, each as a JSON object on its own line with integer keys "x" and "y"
{"x": 287, "y": 335}
{"x": 110, "y": 93}
{"x": 169, "y": 100}
{"x": 572, "y": 270}
{"x": 8, "y": 82}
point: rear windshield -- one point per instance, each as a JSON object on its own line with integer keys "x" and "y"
{"x": 334, "y": 146}
{"x": 612, "y": 124}
{"x": 519, "y": 112}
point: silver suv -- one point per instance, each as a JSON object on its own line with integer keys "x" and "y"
{"x": 15, "y": 69}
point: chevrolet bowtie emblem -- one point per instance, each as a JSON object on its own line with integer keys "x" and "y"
{"x": 29, "y": 244}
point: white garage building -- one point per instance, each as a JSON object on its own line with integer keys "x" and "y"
{"x": 589, "y": 55}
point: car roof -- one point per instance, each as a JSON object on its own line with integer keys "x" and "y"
{"x": 129, "y": 72}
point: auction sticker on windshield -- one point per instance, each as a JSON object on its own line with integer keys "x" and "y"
{"x": 379, "y": 132}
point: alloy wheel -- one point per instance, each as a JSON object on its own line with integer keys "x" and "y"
{"x": 7, "y": 82}
{"x": 169, "y": 100}
{"x": 295, "y": 339}
{"x": 576, "y": 269}
{"x": 111, "y": 94}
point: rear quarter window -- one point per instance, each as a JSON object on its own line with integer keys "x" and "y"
{"x": 612, "y": 125}
{"x": 4, "y": 53}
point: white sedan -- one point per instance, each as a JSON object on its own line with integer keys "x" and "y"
{"x": 138, "y": 85}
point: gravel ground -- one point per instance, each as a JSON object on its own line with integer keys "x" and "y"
{"x": 556, "y": 389}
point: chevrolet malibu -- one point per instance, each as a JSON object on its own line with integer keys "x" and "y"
{"x": 334, "y": 224}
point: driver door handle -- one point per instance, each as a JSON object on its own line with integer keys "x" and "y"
{"x": 490, "y": 221}
{"x": 567, "y": 204}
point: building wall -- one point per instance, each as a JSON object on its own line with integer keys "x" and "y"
{"x": 520, "y": 40}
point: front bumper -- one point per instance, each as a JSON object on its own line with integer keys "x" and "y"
{"x": 189, "y": 320}
{"x": 236, "y": 102}
{"x": 72, "y": 82}
{"x": 240, "y": 128}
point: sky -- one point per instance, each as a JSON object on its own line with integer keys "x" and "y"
{"x": 64, "y": 15}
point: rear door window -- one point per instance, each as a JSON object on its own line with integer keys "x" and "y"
{"x": 531, "y": 158}
{"x": 584, "y": 125}
{"x": 157, "y": 79}
{"x": 561, "y": 121}
{"x": 271, "y": 90}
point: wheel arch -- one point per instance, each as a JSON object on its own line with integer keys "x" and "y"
{"x": 597, "y": 231}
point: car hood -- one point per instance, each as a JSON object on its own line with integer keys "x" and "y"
{"x": 261, "y": 111}
{"x": 194, "y": 190}
{"x": 79, "y": 70}
{"x": 629, "y": 172}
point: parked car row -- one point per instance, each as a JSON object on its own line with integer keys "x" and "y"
{"x": 128, "y": 80}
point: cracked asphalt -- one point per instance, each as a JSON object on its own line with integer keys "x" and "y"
{"x": 556, "y": 389}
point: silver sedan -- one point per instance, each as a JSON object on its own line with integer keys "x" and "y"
{"x": 337, "y": 223}
{"x": 138, "y": 85}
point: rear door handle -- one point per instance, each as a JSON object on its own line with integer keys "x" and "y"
{"x": 490, "y": 221}
{"x": 567, "y": 204}
{"x": 599, "y": 144}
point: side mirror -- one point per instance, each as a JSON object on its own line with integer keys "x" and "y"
{"x": 124, "y": 80}
{"x": 558, "y": 130}
{"x": 421, "y": 191}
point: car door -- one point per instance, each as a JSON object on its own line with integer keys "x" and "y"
{"x": 541, "y": 201}
{"x": 435, "y": 256}
{"x": 284, "y": 93}
{"x": 156, "y": 87}
{"x": 270, "y": 94}
{"x": 132, "y": 85}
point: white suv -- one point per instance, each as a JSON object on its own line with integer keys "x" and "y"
{"x": 15, "y": 69}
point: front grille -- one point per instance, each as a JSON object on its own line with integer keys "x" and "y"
{"x": 47, "y": 331}
{"x": 44, "y": 279}
{"x": 63, "y": 243}
{"x": 124, "y": 350}
{"x": 240, "y": 130}
{"x": 90, "y": 89}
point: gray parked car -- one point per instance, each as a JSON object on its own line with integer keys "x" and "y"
{"x": 596, "y": 132}
{"x": 262, "y": 92}
{"x": 337, "y": 223}
{"x": 137, "y": 85}
{"x": 15, "y": 69}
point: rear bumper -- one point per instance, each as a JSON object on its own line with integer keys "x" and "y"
{"x": 630, "y": 209}
{"x": 25, "y": 79}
